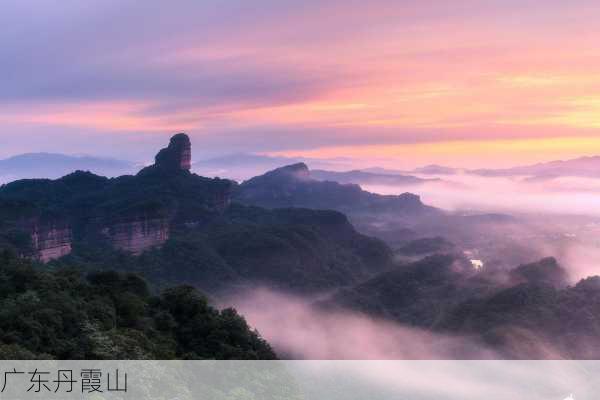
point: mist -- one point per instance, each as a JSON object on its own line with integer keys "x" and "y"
{"x": 565, "y": 195}
{"x": 556, "y": 217}
{"x": 299, "y": 328}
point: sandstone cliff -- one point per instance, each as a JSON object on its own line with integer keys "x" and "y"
{"x": 137, "y": 236}
{"x": 50, "y": 241}
{"x": 176, "y": 157}
{"x": 134, "y": 213}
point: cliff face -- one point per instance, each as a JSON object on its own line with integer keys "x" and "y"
{"x": 134, "y": 212}
{"x": 137, "y": 236}
{"x": 171, "y": 196}
{"x": 50, "y": 241}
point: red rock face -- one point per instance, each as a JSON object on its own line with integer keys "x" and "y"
{"x": 176, "y": 156}
{"x": 50, "y": 242}
{"x": 140, "y": 235}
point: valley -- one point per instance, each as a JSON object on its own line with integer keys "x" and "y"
{"x": 327, "y": 249}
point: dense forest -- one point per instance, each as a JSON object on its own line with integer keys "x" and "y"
{"x": 530, "y": 311}
{"x": 64, "y": 313}
{"x": 295, "y": 250}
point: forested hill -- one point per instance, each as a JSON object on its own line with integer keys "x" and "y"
{"x": 66, "y": 314}
{"x": 62, "y": 241}
{"x": 294, "y": 186}
{"x": 175, "y": 227}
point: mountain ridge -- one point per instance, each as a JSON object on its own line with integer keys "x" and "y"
{"x": 294, "y": 186}
{"x": 56, "y": 165}
{"x": 186, "y": 226}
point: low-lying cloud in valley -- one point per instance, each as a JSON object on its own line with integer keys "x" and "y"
{"x": 299, "y": 329}
{"x": 564, "y": 195}
{"x": 553, "y": 217}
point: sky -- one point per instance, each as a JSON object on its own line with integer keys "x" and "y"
{"x": 394, "y": 83}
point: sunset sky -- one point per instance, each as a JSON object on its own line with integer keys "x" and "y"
{"x": 388, "y": 82}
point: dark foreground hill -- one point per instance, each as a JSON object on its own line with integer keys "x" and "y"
{"x": 64, "y": 314}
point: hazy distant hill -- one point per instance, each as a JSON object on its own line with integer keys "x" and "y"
{"x": 241, "y": 166}
{"x": 434, "y": 169}
{"x": 587, "y": 167}
{"x": 367, "y": 178}
{"x": 582, "y": 167}
{"x": 294, "y": 186}
{"x": 52, "y": 166}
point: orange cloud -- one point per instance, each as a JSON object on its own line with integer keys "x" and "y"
{"x": 478, "y": 77}
{"x": 112, "y": 116}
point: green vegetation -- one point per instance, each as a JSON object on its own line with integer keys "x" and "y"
{"x": 417, "y": 294}
{"x": 527, "y": 312}
{"x": 292, "y": 186}
{"x": 292, "y": 249}
{"x": 212, "y": 246}
{"x": 425, "y": 246}
{"x": 65, "y": 314}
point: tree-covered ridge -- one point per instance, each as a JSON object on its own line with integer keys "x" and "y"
{"x": 293, "y": 186}
{"x": 65, "y": 314}
{"x": 291, "y": 249}
{"x": 84, "y": 196}
{"x": 296, "y": 249}
{"x": 527, "y": 312}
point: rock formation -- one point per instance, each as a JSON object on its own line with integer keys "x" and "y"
{"x": 177, "y": 156}
{"x": 134, "y": 213}
{"x": 137, "y": 236}
{"x": 50, "y": 241}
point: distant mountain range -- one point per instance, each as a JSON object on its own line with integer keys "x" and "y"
{"x": 295, "y": 186}
{"x": 52, "y": 166}
{"x": 368, "y": 178}
{"x": 242, "y": 166}
{"x": 432, "y": 169}
{"x": 587, "y": 167}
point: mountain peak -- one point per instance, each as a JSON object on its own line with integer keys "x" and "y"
{"x": 177, "y": 156}
{"x": 299, "y": 170}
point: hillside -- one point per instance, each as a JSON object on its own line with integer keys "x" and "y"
{"x": 416, "y": 294}
{"x": 294, "y": 186}
{"x": 527, "y": 312}
{"x": 176, "y": 227}
{"x": 63, "y": 314}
